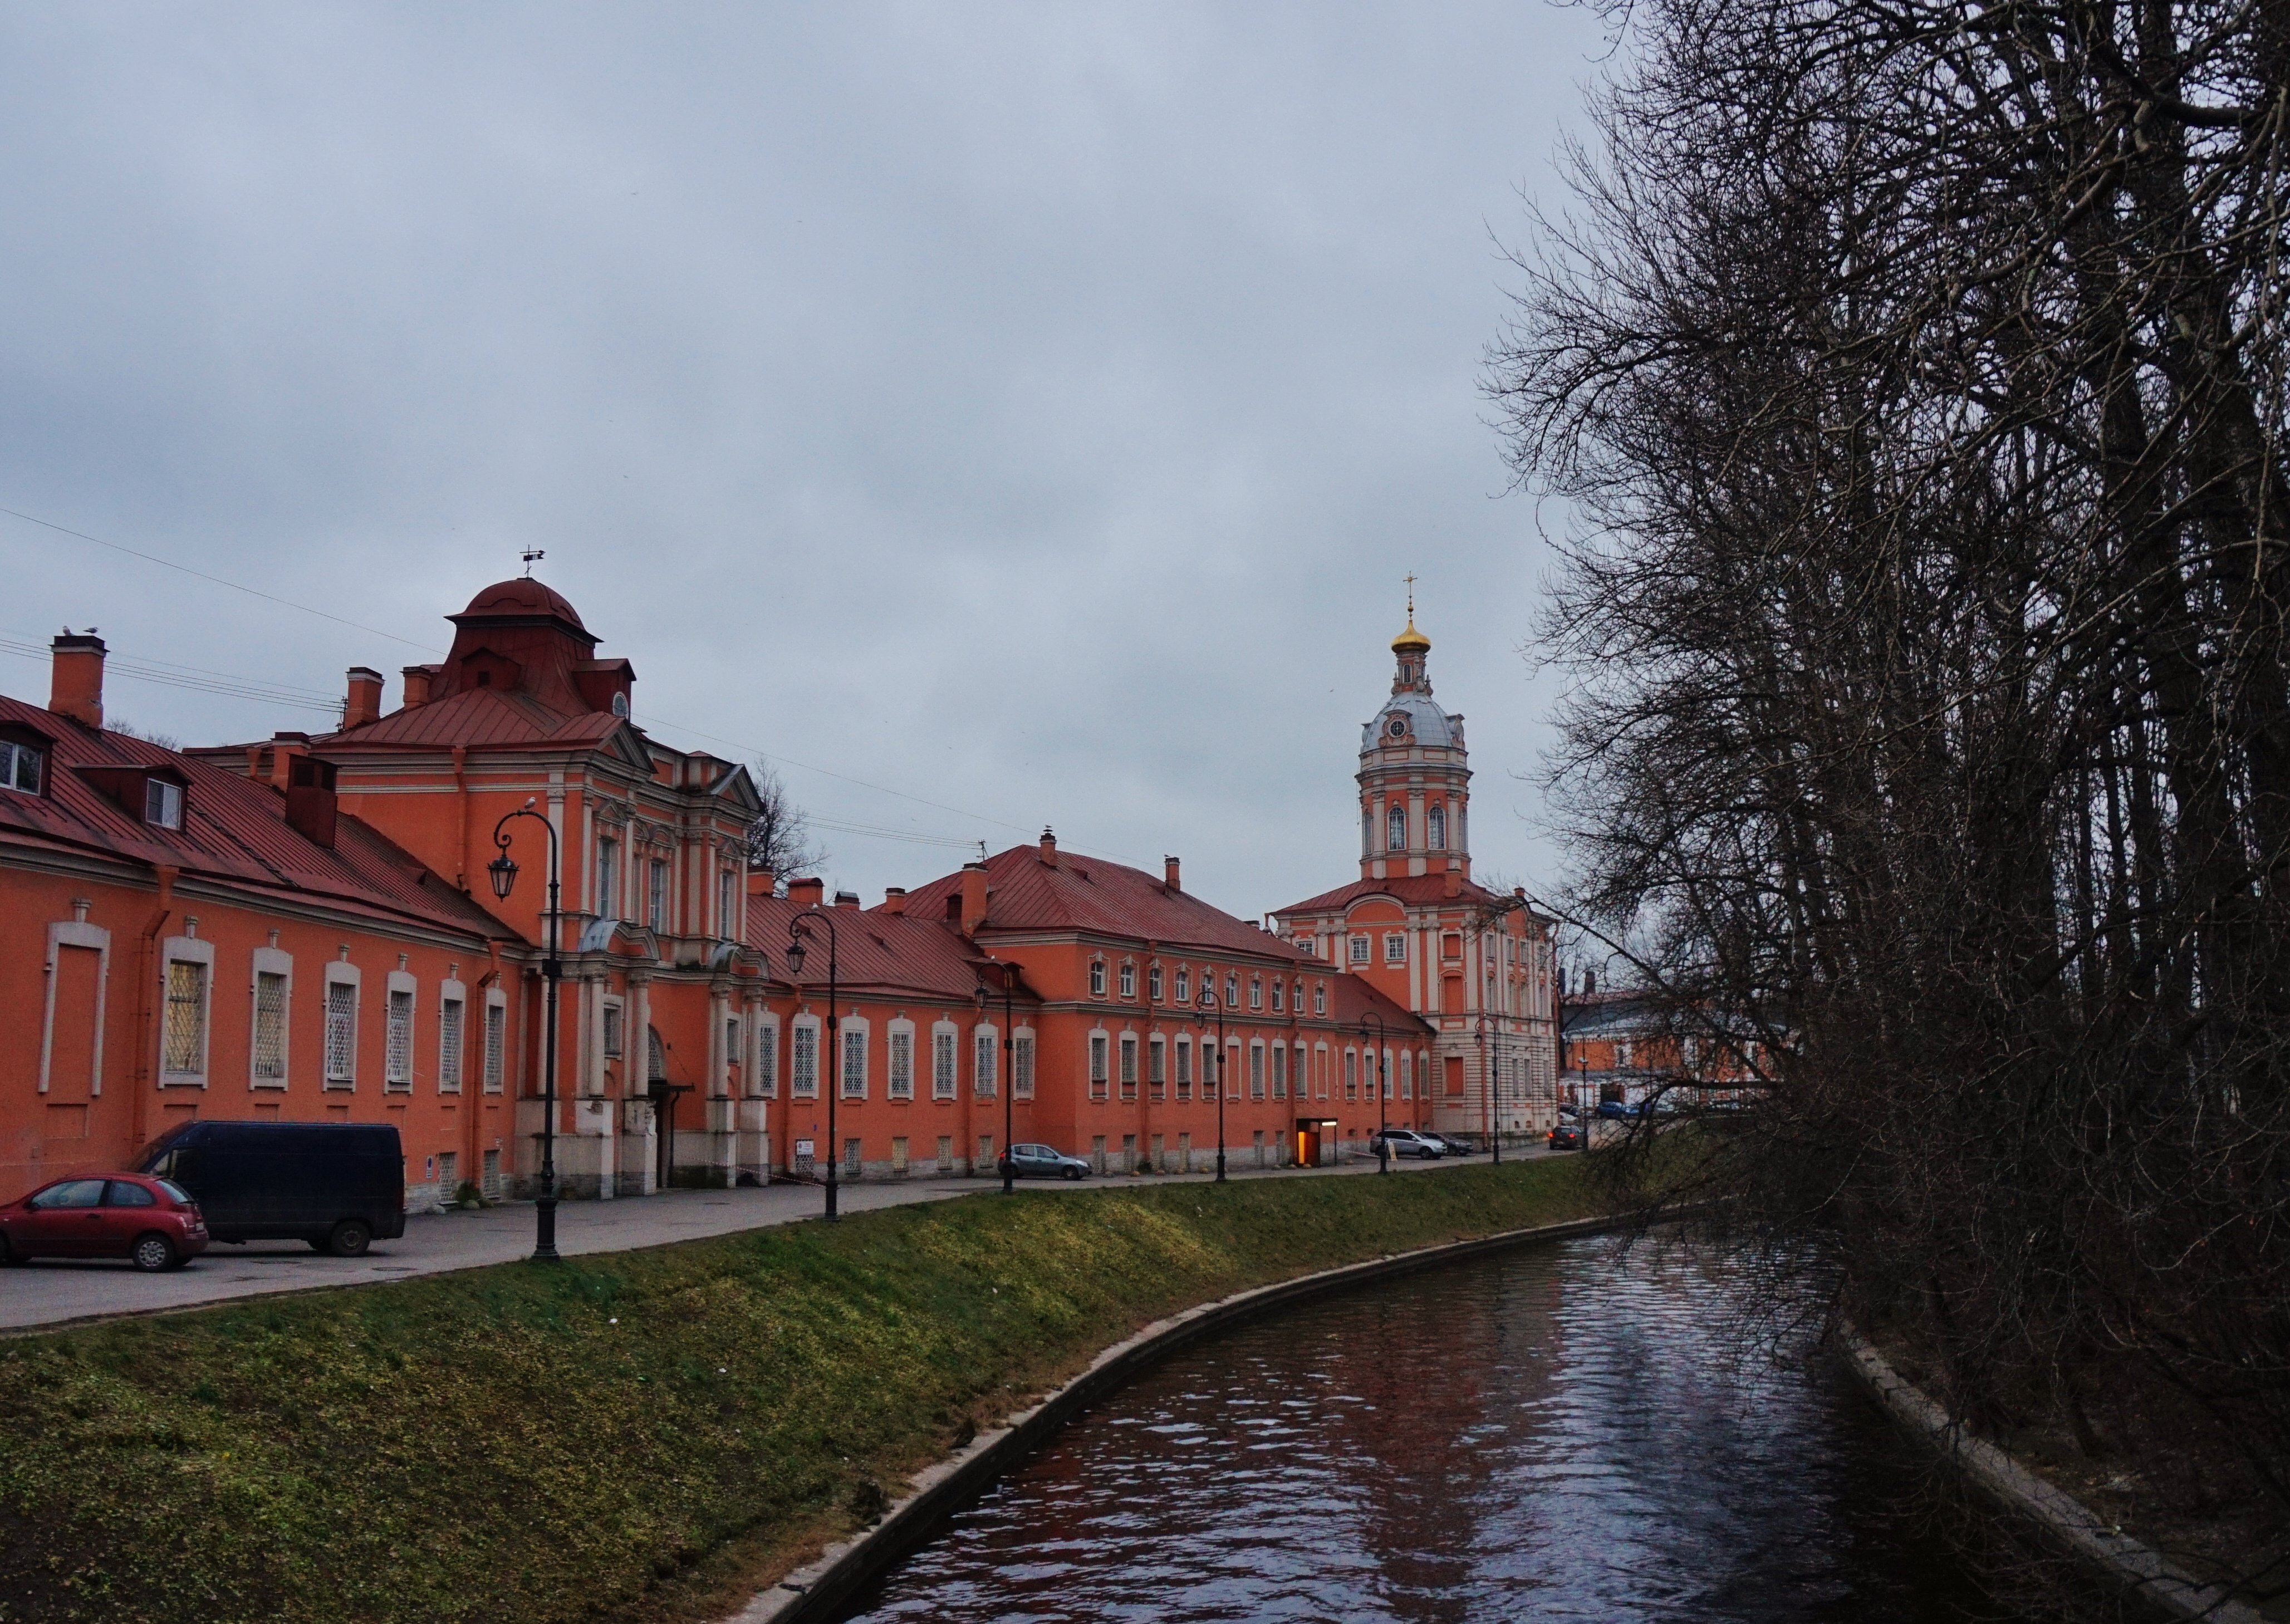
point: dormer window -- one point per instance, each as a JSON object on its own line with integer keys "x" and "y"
{"x": 163, "y": 803}
{"x": 20, "y": 766}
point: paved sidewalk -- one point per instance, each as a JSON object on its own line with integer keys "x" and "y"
{"x": 59, "y": 1291}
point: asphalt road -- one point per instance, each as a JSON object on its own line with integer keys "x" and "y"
{"x": 53, "y": 1292}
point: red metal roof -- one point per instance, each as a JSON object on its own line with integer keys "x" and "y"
{"x": 232, "y": 830}
{"x": 479, "y": 717}
{"x": 1091, "y": 895}
{"x": 1414, "y": 890}
{"x": 877, "y": 954}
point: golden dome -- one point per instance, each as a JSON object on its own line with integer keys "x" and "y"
{"x": 1411, "y": 639}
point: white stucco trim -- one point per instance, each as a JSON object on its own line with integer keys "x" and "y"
{"x": 76, "y": 933}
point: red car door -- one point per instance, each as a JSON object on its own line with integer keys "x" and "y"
{"x": 127, "y": 1212}
{"x": 67, "y": 1219}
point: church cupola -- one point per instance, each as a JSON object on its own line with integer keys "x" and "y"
{"x": 1414, "y": 649}
{"x": 1415, "y": 776}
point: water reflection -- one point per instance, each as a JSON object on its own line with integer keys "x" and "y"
{"x": 1554, "y": 1434}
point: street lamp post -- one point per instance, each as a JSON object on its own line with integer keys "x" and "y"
{"x": 502, "y": 872}
{"x": 1008, "y": 1072}
{"x": 1494, "y": 1097}
{"x": 1209, "y": 1004}
{"x": 1382, "y": 1128}
{"x": 800, "y": 931}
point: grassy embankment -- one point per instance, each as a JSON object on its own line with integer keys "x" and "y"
{"x": 639, "y": 1435}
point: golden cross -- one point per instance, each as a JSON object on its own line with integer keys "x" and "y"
{"x": 1411, "y": 600}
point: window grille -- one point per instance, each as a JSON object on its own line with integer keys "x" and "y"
{"x": 1279, "y": 1071}
{"x": 1021, "y": 1065}
{"x": 341, "y": 1032}
{"x": 854, "y": 1067}
{"x": 186, "y": 1049}
{"x": 941, "y": 1065}
{"x": 496, "y": 1046}
{"x": 805, "y": 1083}
{"x": 767, "y": 1060}
{"x": 269, "y": 1026}
{"x": 1438, "y": 838}
{"x": 1395, "y": 829}
{"x": 1156, "y": 1067}
{"x": 1351, "y": 1074}
{"x": 398, "y": 1040}
{"x": 1097, "y": 1067}
{"x": 1128, "y": 1067}
{"x": 1184, "y": 1069}
{"x": 1256, "y": 1071}
{"x": 902, "y": 1066}
{"x": 981, "y": 1064}
{"x": 449, "y": 1047}
{"x": 492, "y": 1187}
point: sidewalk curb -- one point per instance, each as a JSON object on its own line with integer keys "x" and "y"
{"x": 816, "y": 1592}
{"x": 2166, "y": 1592}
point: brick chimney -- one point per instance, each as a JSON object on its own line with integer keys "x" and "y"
{"x": 973, "y": 893}
{"x": 807, "y": 892}
{"x": 364, "y": 704}
{"x": 846, "y": 899}
{"x": 894, "y": 899}
{"x": 417, "y": 684}
{"x": 75, "y": 677}
{"x": 1455, "y": 881}
{"x": 1169, "y": 874}
{"x": 1049, "y": 846}
{"x": 761, "y": 883}
{"x": 311, "y": 808}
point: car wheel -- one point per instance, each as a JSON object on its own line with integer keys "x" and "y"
{"x": 349, "y": 1238}
{"x": 1073, "y": 1175}
{"x": 151, "y": 1253}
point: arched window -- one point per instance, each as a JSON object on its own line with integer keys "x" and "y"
{"x": 1438, "y": 838}
{"x": 1395, "y": 828}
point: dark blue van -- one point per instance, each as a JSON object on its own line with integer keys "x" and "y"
{"x": 338, "y": 1186}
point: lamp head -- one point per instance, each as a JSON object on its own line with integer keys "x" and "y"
{"x": 502, "y": 872}
{"x": 978, "y": 996}
{"x": 795, "y": 953}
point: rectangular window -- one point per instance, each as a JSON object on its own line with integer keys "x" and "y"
{"x": 985, "y": 1153}
{"x": 615, "y": 1020}
{"x": 946, "y": 1152}
{"x": 767, "y": 1060}
{"x": 899, "y": 1155}
{"x": 1256, "y": 1071}
{"x": 1021, "y": 1067}
{"x": 608, "y": 877}
{"x": 902, "y": 1066}
{"x": 1184, "y": 1069}
{"x": 727, "y": 897}
{"x": 163, "y": 803}
{"x": 1256, "y": 992}
{"x": 1097, "y": 979}
{"x": 1153, "y": 984}
{"x": 1097, "y": 1065}
{"x": 398, "y": 1040}
{"x": 1394, "y": 948}
{"x": 854, "y": 1067}
{"x": 184, "y": 1051}
{"x": 805, "y": 1085}
{"x": 853, "y": 1161}
{"x": 449, "y": 1046}
{"x": 492, "y": 1187}
{"x": 1184, "y": 985}
{"x": 1231, "y": 991}
{"x": 1128, "y": 1067}
{"x": 496, "y": 1046}
{"x": 1351, "y": 1074}
{"x": 734, "y": 1054}
{"x": 981, "y": 1065}
{"x": 1279, "y": 1071}
{"x": 341, "y": 1033}
{"x": 1303, "y": 944}
{"x": 656, "y": 894}
{"x": 1156, "y": 1067}
{"x": 269, "y": 1026}
{"x": 20, "y": 767}
{"x": 449, "y": 1174}
{"x": 941, "y": 1065}
{"x": 1359, "y": 949}
{"x": 1129, "y": 980}
{"x": 1407, "y": 1075}
{"x": 1279, "y": 994}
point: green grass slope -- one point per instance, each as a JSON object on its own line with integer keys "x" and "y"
{"x": 635, "y": 1435}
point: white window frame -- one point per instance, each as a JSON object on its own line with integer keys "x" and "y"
{"x": 1395, "y": 828}
{"x": 1279, "y": 997}
{"x": 400, "y": 982}
{"x": 608, "y": 876}
{"x": 765, "y": 1083}
{"x": 1361, "y": 943}
{"x": 946, "y": 1060}
{"x": 658, "y": 888}
{"x": 1434, "y": 828}
{"x": 1395, "y": 947}
{"x": 340, "y": 974}
{"x": 1319, "y": 997}
{"x": 492, "y": 1061}
{"x": 269, "y": 961}
{"x": 985, "y": 1060}
{"x": 805, "y": 1033}
{"x": 1279, "y": 1070}
{"x": 851, "y": 1040}
{"x": 1256, "y": 1070}
{"x": 452, "y": 1048}
{"x": 1128, "y": 1066}
{"x": 1097, "y": 978}
{"x": 1157, "y": 1065}
{"x": 899, "y": 1050}
{"x": 1153, "y": 984}
{"x": 1182, "y": 1074}
{"x": 187, "y": 950}
{"x": 1128, "y": 981}
{"x": 1407, "y": 1074}
{"x": 1021, "y": 1063}
{"x": 1100, "y": 1050}
{"x": 1231, "y": 989}
{"x": 1184, "y": 985}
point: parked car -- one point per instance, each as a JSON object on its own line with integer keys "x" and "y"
{"x": 1567, "y": 1136}
{"x": 1042, "y": 1162}
{"x": 154, "y": 1223}
{"x": 1452, "y": 1145}
{"x": 1407, "y": 1141}
{"x": 1615, "y": 1110}
{"x": 338, "y": 1186}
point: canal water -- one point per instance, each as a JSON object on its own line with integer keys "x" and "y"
{"x": 1576, "y": 1432}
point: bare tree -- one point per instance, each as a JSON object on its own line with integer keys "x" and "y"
{"x": 779, "y": 839}
{"x": 1918, "y": 372}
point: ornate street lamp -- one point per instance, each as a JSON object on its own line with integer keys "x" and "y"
{"x": 1009, "y": 1071}
{"x": 801, "y": 928}
{"x": 1209, "y": 1004}
{"x": 1382, "y": 1129}
{"x": 502, "y": 872}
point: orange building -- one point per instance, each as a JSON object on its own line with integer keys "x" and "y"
{"x": 178, "y": 941}
{"x": 1473, "y": 964}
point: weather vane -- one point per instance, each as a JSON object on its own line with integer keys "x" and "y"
{"x": 533, "y": 555}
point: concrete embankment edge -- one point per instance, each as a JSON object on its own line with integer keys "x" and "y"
{"x": 815, "y": 1593}
{"x": 2166, "y": 1592}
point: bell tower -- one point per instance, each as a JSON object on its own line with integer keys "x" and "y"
{"x": 1414, "y": 774}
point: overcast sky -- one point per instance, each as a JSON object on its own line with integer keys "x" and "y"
{"x": 1029, "y": 409}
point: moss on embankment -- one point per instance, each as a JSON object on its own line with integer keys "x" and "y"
{"x": 636, "y": 1435}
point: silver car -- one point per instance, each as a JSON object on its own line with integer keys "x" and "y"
{"x": 1042, "y": 1162}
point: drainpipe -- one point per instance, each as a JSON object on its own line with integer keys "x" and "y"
{"x": 461, "y": 795}
{"x": 147, "y": 975}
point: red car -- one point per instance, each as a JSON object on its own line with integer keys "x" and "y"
{"x": 152, "y": 1223}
